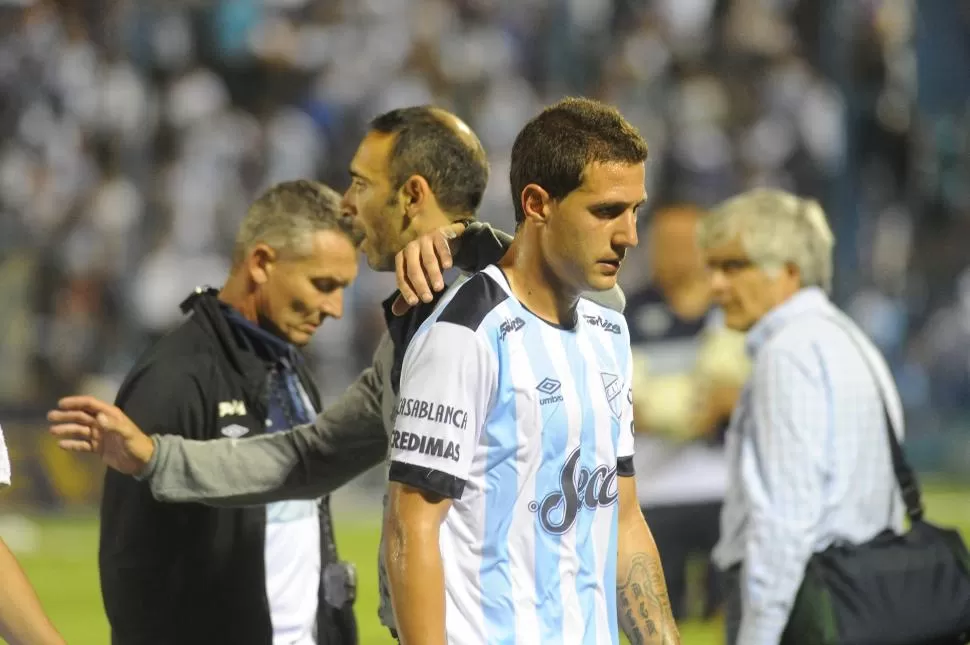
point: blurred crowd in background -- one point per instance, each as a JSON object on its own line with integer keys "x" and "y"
{"x": 133, "y": 134}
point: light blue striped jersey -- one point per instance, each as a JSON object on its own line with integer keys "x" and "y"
{"x": 525, "y": 425}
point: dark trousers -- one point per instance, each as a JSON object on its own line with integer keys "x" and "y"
{"x": 731, "y": 581}
{"x": 681, "y": 532}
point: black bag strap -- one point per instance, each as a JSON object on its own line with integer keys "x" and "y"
{"x": 905, "y": 476}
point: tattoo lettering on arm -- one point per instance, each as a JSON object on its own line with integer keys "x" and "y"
{"x": 643, "y": 604}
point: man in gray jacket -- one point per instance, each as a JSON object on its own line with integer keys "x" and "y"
{"x": 418, "y": 178}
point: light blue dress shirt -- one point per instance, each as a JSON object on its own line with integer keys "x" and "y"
{"x": 809, "y": 458}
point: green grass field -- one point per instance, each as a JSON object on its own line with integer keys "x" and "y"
{"x": 63, "y": 568}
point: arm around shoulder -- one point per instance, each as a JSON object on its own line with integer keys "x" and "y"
{"x": 481, "y": 245}
{"x": 345, "y": 440}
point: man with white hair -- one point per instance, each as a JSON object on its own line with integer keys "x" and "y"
{"x": 809, "y": 460}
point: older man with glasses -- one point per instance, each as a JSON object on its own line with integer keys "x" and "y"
{"x": 809, "y": 460}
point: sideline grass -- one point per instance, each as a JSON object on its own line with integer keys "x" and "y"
{"x": 63, "y": 568}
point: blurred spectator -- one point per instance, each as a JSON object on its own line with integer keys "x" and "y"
{"x": 133, "y": 134}
{"x": 688, "y": 372}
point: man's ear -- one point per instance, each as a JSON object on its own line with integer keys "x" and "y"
{"x": 416, "y": 192}
{"x": 794, "y": 274}
{"x": 260, "y": 262}
{"x": 535, "y": 203}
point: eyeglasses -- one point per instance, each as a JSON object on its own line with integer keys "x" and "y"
{"x": 730, "y": 266}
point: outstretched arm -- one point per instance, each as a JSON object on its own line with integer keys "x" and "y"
{"x": 641, "y": 592}
{"x": 309, "y": 461}
{"x": 22, "y": 619}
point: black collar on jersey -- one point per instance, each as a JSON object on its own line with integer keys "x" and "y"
{"x": 402, "y": 328}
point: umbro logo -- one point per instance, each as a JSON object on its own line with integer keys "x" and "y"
{"x": 550, "y": 388}
{"x": 234, "y": 431}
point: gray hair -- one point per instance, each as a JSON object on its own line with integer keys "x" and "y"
{"x": 286, "y": 215}
{"x": 775, "y": 228}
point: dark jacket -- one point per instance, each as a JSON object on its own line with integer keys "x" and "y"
{"x": 186, "y": 574}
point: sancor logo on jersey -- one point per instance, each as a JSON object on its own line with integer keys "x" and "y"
{"x": 613, "y": 387}
{"x": 578, "y": 488}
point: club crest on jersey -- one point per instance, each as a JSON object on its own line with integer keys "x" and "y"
{"x": 613, "y": 387}
{"x": 578, "y": 488}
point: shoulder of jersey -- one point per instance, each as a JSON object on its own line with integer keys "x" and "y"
{"x": 603, "y": 318}
{"x": 472, "y": 302}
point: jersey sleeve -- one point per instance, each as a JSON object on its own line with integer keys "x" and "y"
{"x": 447, "y": 382}
{"x": 624, "y": 451}
{"x": 4, "y": 462}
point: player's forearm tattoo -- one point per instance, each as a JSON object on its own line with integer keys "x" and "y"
{"x": 643, "y": 604}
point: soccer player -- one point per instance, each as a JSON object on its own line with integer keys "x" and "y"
{"x": 22, "y": 619}
{"x": 513, "y": 513}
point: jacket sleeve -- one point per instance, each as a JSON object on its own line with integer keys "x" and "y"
{"x": 482, "y": 245}
{"x": 309, "y": 461}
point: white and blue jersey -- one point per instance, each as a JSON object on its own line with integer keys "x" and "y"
{"x": 526, "y": 426}
{"x": 4, "y": 462}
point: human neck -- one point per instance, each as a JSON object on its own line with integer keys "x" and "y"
{"x": 237, "y": 293}
{"x": 430, "y": 221}
{"x": 534, "y": 284}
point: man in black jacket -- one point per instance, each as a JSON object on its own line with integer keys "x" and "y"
{"x": 185, "y": 574}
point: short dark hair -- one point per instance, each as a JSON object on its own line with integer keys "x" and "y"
{"x": 456, "y": 169}
{"x": 285, "y": 215}
{"x": 554, "y": 148}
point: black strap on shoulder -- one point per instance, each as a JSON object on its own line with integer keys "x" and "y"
{"x": 905, "y": 476}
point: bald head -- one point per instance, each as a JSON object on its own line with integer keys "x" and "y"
{"x": 437, "y": 145}
{"x": 459, "y": 127}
